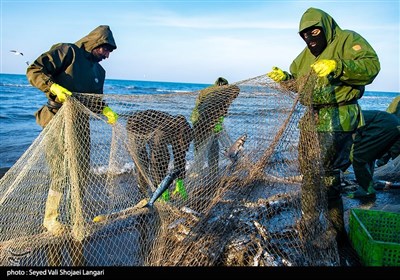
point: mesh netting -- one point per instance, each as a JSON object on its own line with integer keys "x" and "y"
{"x": 243, "y": 184}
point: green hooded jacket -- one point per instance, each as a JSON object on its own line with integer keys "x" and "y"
{"x": 206, "y": 94}
{"x": 335, "y": 96}
{"x": 72, "y": 65}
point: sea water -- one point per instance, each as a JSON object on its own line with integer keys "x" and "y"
{"x": 19, "y": 101}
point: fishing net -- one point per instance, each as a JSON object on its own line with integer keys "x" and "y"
{"x": 238, "y": 197}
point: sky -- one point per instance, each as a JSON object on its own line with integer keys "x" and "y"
{"x": 194, "y": 41}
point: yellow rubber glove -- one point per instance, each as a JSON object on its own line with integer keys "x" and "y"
{"x": 324, "y": 67}
{"x": 165, "y": 195}
{"x": 277, "y": 74}
{"x": 218, "y": 127}
{"x": 180, "y": 188}
{"x": 110, "y": 114}
{"x": 60, "y": 92}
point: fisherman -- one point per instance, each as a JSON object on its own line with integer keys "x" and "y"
{"x": 150, "y": 133}
{"x": 342, "y": 63}
{"x": 207, "y": 117}
{"x": 394, "y": 151}
{"x": 69, "y": 69}
{"x": 378, "y": 136}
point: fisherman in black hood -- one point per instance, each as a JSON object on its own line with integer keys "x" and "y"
{"x": 339, "y": 64}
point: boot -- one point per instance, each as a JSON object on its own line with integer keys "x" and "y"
{"x": 335, "y": 205}
{"x": 51, "y": 213}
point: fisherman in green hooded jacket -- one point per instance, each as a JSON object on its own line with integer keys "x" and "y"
{"x": 394, "y": 151}
{"x": 207, "y": 117}
{"x": 70, "y": 69}
{"x": 343, "y": 63}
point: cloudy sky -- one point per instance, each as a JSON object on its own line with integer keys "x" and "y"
{"x": 194, "y": 41}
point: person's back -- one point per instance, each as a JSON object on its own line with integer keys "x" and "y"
{"x": 150, "y": 132}
{"x": 394, "y": 151}
{"x": 207, "y": 118}
{"x": 374, "y": 139}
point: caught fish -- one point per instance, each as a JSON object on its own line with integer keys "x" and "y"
{"x": 386, "y": 185}
{"x": 190, "y": 211}
{"x": 176, "y": 223}
{"x": 233, "y": 152}
{"x": 165, "y": 183}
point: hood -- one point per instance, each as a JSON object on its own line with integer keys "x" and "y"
{"x": 317, "y": 17}
{"x": 221, "y": 82}
{"x": 99, "y": 36}
{"x": 394, "y": 107}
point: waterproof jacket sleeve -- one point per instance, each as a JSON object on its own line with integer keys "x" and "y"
{"x": 42, "y": 72}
